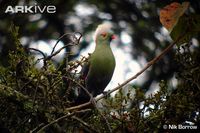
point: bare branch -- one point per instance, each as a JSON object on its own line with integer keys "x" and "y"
{"x": 57, "y": 52}
{"x": 75, "y": 41}
{"x": 42, "y": 53}
{"x": 54, "y": 47}
{"x": 44, "y": 56}
{"x": 66, "y": 34}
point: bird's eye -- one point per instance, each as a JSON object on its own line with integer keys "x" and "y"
{"x": 103, "y": 34}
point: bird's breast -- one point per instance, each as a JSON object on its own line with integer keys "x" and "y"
{"x": 104, "y": 63}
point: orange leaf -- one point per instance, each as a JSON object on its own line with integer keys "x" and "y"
{"x": 170, "y": 14}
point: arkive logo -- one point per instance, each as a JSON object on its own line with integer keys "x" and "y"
{"x": 31, "y": 9}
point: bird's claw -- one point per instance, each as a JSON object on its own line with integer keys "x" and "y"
{"x": 106, "y": 93}
{"x": 92, "y": 100}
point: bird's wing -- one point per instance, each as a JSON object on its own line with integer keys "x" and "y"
{"x": 85, "y": 69}
{"x": 82, "y": 95}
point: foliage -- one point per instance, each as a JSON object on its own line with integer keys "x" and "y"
{"x": 31, "y": 98}
{"x": 32, "y": 95}
{"x": 178, "y": 23}
{"x": 37, "y": 99}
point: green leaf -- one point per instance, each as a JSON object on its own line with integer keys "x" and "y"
{"x": 188, "y": 25}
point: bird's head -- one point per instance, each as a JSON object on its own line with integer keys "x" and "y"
{"x": 104, "y": 33}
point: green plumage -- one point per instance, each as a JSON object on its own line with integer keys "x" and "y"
{"x": 101, "y": 64}
{"x": 101, "y": 68}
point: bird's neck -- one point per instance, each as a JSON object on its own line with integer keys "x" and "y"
{"x": 102, "y": 44}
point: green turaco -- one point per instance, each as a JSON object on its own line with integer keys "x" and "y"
{"x": 98, "y": 72}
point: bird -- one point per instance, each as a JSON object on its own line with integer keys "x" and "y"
{"x": 99, "y": 69}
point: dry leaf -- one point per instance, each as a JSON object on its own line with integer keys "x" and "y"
{"x": 170, "y": 14}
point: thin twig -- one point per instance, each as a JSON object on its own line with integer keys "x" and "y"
{"x": 61, "y": 118}
{"x": 82, "y": 87}
{"x": 38, "y": 127}
{"x": 75, "y": 41}
{"x": 44, "y": 56}
{"x": 78, "y": 106}
{"x": 93, "y": 101}
{"x": 76, "y": 82}
{"x": 107, "y": 123}
{"x": 59, "y": 41}
{"x": 149, "y": 64}
{"x": 57, "y": 52}
{"x": 66, "y": 34}
{"x": 35, "y": 93}
{"x": 42, "y": 53}
{"x": 85, "y": 124}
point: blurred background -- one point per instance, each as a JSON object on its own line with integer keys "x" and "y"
{"x": 140, "y": 36}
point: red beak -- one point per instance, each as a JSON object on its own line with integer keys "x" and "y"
{"x": 113, "y": 37}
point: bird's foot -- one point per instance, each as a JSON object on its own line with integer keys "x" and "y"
{"x": 92, "y": 100}
{"x": 106, "y": 93}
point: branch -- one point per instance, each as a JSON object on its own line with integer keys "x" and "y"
{"x": 57, "y": 52}
{"x": 85, "y": 124}
{"x": 54, "y": 47}
{"x": 82, "y": 87}
{"x": 149, "y": 64}
{"x": 59, "y": 119}
{"x": 38, "y": 127}
{"x": 66, "y": 34}
{"x": 106, "y": 121}
{"x": 42, "y": 53}
{"x": 75, "y": 41}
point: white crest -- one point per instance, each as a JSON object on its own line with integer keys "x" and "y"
{"x": 102, "y": 28}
